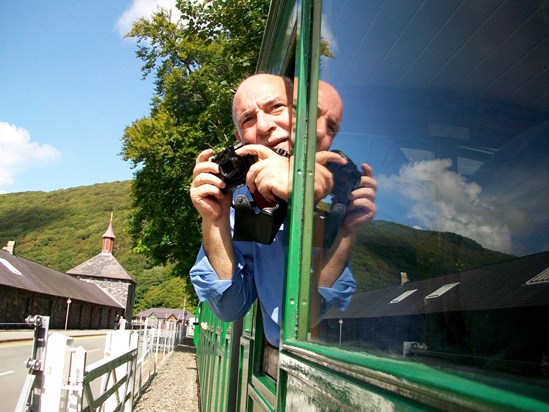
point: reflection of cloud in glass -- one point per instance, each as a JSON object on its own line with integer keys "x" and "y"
{"x": 440, "y": 199}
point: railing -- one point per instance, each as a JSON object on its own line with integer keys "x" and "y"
{"x": 61, "y": 380}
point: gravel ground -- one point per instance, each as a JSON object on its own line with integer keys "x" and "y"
{"x": 174, "y": 388}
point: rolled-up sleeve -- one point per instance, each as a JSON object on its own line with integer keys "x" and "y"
{"x": 341, "y": 292}
{"x": 229, "y": 299}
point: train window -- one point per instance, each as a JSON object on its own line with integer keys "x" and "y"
{"x": 447, "y": 102}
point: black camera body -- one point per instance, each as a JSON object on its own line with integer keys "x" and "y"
{"x": 233, "y": 167}
{"x": 250, "y": 225}
{"x": 346, "y": 179}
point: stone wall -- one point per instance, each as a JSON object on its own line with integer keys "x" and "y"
{"x": 120, "y": 290}
{"x": 17, "y": 304}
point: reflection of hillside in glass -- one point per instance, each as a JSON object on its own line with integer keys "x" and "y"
{"x": 384, "y": 249}
{"x": 489, "y": 185}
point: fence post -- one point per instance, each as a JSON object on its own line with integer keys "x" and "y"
{"x": 141, "y": 358}
{"x": 156, "y": 346}
{"x": 116, "y": 343}
{"x": 56, "y": 373}
{"x": 132, "y": 369}
{"x": 168, "y": 344}
{"x": 76, "y": 379}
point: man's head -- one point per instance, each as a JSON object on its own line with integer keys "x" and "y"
{"x": 330, "y": 113}
{"x": 262, "y": 111}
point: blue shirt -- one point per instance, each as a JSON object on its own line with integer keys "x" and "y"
{"x": 259, "y": 274}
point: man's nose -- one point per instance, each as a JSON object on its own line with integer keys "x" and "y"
{"x": 264, "y": 123}
{"x": 321, "y": 128}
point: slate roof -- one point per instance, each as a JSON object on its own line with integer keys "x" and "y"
{"x": 165, "y": 313}
{"x": 34, "y": 277}
{"x": 103, "y": 265}
{"x": 500, "y": 286}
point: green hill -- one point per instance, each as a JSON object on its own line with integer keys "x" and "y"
{"x": 64, "y": 228}
{"x": 384, "y": 249}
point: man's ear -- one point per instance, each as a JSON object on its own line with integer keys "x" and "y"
{"x": 237, "y": 136}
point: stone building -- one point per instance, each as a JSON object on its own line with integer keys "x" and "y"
{"x": 90, "y": 296}
{"x": 28, "y": 288}
{"x": 104, "y": 271}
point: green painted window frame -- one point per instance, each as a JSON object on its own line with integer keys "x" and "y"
{"x": 409, "y": 379}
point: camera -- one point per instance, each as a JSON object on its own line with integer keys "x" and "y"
{"x": 346, "y": 179}
{"x": 233, "y": 167}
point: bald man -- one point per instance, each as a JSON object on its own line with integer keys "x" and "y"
{"x": 229, "y": 274}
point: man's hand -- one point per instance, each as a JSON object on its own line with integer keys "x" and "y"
{"x": 214, "y": 207}
{"x": 362, "y": 207}
{"x": 270, "y": 175}
{"x": 324, "y": 180}
{"x": 206, "y": 187}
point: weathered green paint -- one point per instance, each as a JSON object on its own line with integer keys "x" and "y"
{"x": 277, "y": 51}
{"x": 214, "y": 361}
{"x": 416, "y": 381}
{"x": 296, "y": 308}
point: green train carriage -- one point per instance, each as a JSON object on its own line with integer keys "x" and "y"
{"x": 448, "y": 102}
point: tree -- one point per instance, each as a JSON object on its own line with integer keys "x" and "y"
{"x": 197, "y": 63}
{"x": 169, "y": 294}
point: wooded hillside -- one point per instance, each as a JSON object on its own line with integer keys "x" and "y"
{"x": 64, "y": 228}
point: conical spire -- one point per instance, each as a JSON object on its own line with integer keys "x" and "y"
{"x": 108, "y": 239}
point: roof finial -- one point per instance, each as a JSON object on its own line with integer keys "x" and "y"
{"x": 108, "y": 238}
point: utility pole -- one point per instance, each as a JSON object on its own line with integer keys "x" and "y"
{"x": 67, "y": 317}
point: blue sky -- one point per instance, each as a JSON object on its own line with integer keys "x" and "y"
{"x": 69, "y": 85}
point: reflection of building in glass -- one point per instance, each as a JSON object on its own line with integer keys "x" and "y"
{"x": 491, "y": 317}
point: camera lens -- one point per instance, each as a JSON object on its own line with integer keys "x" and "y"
{"x": 233, "y": 168}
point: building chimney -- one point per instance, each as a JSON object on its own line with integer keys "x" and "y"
{"x": 108, "y": 239}
{"x": 403, "y": 278}
{"x": 10, "y": 248}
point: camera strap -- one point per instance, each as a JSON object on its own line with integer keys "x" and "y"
{"x": 261, "y": 227}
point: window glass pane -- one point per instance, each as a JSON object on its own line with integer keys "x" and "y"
{"x": 448, "y": 102}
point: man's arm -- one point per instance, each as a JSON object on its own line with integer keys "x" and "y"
{"x": 360, "y": 211}
{"x": 229, "y": 299}
{"x": 221, "y": 274}
{"x": 214, "y": 208}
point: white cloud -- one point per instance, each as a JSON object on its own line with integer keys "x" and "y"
{"x": 144, "y": 8}
{"x": 19, "y": 153}
{"x": 440, "y": 199}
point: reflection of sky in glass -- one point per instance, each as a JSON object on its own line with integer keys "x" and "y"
{"x": 503, "y": 204}
{"x": 436, "y": 176}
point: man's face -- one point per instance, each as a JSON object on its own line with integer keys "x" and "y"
{"x": 262, "y": 113}
{"x": 330, "y": 112}
{"x": 329, "y": 115}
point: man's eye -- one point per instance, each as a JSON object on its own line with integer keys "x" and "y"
{"x": 333, "y": 127}
{"x": 278, "y": 107}
{"x": 246, "y": 120}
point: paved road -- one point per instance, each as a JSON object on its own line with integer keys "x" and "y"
{"x": 12, "y": 365}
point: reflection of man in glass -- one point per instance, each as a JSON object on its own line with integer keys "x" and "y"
{"x": 362, "y": 208}
{"x": 231, "y": 275}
